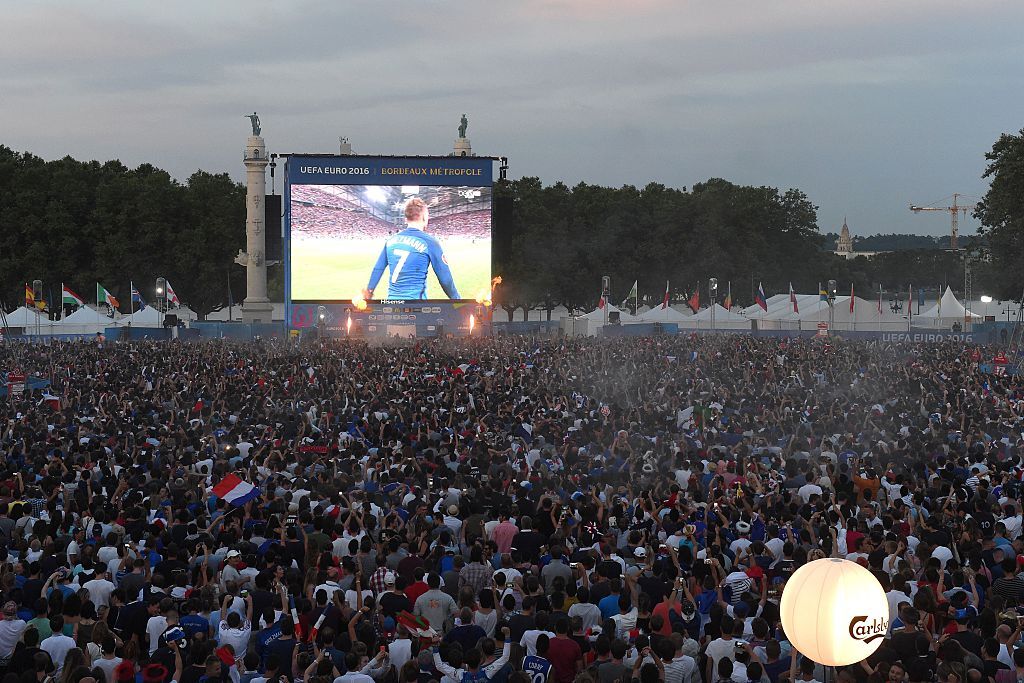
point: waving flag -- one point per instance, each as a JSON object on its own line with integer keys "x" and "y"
{"x": 30, "y": 297}
{"x": 727, "y": 304}
{"x": 233, "y": 490}
{"x": 694, "y": 301}
{"x": 664, "y": 299}
{"x": 69, "y": 298}
{"x": 137, "y": 303}
{"x": 633, "y": 293}
{"x": 172, "y": 298}
{"x": 760, "y": 299}
{"x": 851, "y": 298}
{"x": 822, "y": 292}
{"x": 792, "y": 299}
{"x": 105, "y": 297}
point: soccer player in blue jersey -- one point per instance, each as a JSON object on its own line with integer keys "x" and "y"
{"x": 409, "y": 255}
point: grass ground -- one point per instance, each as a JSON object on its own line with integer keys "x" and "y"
{"x": 324, "y": 269}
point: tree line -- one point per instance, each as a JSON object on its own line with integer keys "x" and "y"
{"x": 83, "y": 222}
{"x": 556, "y": 242}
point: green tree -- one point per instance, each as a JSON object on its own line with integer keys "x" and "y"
{"x": 1001, "y": 212}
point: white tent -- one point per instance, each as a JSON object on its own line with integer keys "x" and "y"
{"x": 27, "y": 318}
{"x": 597, "y": 315}
{"x": 865, "y": 316}
{"x": 665, "y": 315}
{"x": 85, "y": 320}
{"x": 947, "y": 311}
{"x": 147, "y": 317}
{"x": 594, "y": 321}
{"x": 723, "y": 319}
{"x": 779, "y": 307}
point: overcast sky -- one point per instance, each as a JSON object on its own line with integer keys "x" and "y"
{"x": 866, "y": 105}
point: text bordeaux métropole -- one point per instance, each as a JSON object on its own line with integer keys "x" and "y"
{"x": 346, "y": 170}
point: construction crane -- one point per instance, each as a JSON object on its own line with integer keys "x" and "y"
{"x": 954, "y": 213}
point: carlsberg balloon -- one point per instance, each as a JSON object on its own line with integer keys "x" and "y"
{"x": 834, "y": 612}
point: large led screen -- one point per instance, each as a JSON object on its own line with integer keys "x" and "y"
{"x": 384, "y": 241}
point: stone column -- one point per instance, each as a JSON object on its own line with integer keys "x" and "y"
{"x": 257, "y": 307}
{"x": 462, "y": 148}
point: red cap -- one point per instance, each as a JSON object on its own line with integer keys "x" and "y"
{"x": 755, "y": 572}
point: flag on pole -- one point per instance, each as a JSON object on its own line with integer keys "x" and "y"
{"x": 760, "y": 299}
{"x": 879, "y": 299}
{"x": 694, "y": 301}
{"x": 910, "y": 302}
{"x": 851, "y": 298}
{"x": 137, "y": 300}
{"x": 30, "y": 297}
{"x": 822, "y": 292}
{"x": 69, "y": 298}
{"x": 105, "y": 297}
{"x": 172, "y": 298}
{"x": 727, "y": 305}
{"x": 792, "y": 299}
{"x": 632, "y": 295}
{"x": 600, "y": 302}
{"x": 664, "y": 299}
{"x": 920, "y": 299}
{"x": 233, "y": 490}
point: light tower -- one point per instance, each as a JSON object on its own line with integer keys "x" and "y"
{"x": 257, "y": 307}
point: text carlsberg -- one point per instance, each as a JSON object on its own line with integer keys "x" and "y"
{"x": 867, "y": 631}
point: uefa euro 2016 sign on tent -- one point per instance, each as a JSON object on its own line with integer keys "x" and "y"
{"x": 834, "y": 612}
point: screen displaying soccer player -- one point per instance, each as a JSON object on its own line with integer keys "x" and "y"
{"x": 389, "y": 242}
{"x": 409, "y": 255}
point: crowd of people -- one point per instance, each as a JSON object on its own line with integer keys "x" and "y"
{"x": 475, "y": 224}
{"x": 504, "y": 509}
{"x": 317, "y": 222}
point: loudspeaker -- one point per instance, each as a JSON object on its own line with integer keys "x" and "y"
{"x": 171, "y": 320}
{"x": 272, "y": 221}
{"x": 658, "y": 329}
{"x": 613, "y": 318}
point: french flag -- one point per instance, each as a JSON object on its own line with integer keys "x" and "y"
{"x": 235, "y": 491}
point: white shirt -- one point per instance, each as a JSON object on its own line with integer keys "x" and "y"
{"x": 57, "y": 647}
{"x": 624, "y": 623}
{"x": 155, "y": 628}
{"x": 741, "y": 543}
{"x": 10, "y": 634}
{"x": 330, "y": 587}
{"x": 1013, "y": 525}
{"x": 238, "y": 638}
{"x": 529, "y": 640}
{"x": 352, "y": 598}
{"x": 718, "y": 649}
{"x": 807, "y": 490}
{"x": 942, "y": 554}
{"x": 99, "y": 591}
{"x": 399, "y": 652}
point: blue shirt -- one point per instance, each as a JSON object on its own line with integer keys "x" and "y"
{"x": 609, "y": 606}
{"x": 408, "y": 256}
{"x": 538, "y": 668}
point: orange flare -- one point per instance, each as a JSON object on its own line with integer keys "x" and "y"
{"x": 359, "y": 302}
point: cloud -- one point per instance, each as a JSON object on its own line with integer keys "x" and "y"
{"x": 864, "y": 105}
